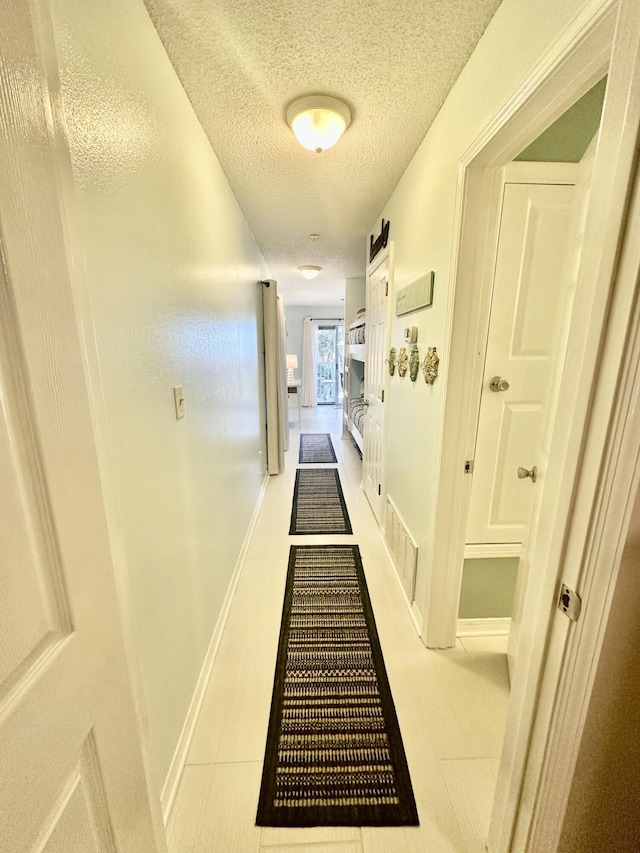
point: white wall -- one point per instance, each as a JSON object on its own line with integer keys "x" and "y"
{"x": 171, "y": 271}
{"x": 421, "y": 213}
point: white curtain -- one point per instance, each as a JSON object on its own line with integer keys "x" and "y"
{"x": 274, "y": 378}
{"x": 282, "y": 376}
{"x": 309, "y": 397}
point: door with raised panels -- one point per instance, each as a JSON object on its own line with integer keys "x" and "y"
{"x": 72, "y": 774}
{"x": 374, "y": 377}
{"x": 526, "y": 311}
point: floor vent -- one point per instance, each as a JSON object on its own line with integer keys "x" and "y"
{"x": 402, "y": 547}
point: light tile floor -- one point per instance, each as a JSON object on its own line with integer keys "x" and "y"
{"x": 451, "y": 704}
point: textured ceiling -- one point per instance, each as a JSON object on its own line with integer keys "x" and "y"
{"x": 242, "y": 61}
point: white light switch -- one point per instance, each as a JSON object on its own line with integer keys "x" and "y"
{"x": 178, "y": 399}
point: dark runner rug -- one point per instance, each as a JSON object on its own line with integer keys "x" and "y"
{"x": 334, "y": 755}
{"x": 316, "y": 448}
{"x": 318, "y": 503}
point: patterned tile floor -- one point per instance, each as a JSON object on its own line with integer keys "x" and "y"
{"x": 451, "y": 704}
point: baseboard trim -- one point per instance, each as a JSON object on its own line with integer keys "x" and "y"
{"x": 172, "y": 781}
{"x": 417, "y": 618}
{"x": 483, "y": 627}
{"x": 492, "y": 550}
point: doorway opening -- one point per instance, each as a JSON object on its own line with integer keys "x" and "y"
{"x": 329, "y": 360}
{"x": 544, "y": 197}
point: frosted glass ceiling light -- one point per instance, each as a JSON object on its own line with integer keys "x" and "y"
{"x": 309, "y": 271}
{"x": 318, "y": 121}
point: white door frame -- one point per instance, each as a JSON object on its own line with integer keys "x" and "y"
{"x": 530, "y": 781}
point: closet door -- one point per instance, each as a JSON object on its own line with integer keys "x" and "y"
{"x": 375, "y": 353}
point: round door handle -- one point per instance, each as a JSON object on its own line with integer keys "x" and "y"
{"x": 523, "y": 473}
{"x": 497, "y": 383}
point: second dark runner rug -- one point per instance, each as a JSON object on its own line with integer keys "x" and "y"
{"x": 318, "y": 503}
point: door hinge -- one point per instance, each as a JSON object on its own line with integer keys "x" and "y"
{"x": 382, "y": 397}
{"x": 468, "y": 466}
{"x": 569, "y": 602}
{"x": 379, "y": 489}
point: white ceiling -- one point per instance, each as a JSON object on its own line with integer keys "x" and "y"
{"x": 242, "y": 61}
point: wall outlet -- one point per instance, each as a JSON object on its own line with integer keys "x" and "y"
{"x": 178, "y": 399}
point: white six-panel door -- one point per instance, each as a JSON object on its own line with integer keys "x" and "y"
{"x": 527, "y": 302}
{"x": 72, "y": 773}
{"x": 374, "y": 377}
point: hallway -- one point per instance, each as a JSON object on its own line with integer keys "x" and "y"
{"x": 451, "y": 704}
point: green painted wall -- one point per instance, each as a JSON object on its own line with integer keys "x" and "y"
{"x": 488, "y": 586}
{"x": 569, "y": 136}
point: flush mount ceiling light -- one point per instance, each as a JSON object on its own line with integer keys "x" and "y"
{"x": 309, "y": 271}
{"x": 318, "y": 121}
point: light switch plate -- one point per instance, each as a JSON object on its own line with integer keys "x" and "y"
{"x": 178, "y": 399}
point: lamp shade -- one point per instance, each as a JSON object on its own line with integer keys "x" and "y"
{"x": 292, "y": 361}
{"x": 318, "y": 121}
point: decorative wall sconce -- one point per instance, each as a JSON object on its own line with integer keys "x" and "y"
{"x": 430, "y": 365}
{"x": 403, "y": 361}
{"x": 391, "y": 361}
{"x": 414, "y": 363}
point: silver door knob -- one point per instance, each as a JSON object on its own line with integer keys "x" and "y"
{"x": 523, "y": 473}
{"x": 499, "y": 384}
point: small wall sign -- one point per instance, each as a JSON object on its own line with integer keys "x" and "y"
{"x": 418, "y": 294}
{"x": 380, "y": 242}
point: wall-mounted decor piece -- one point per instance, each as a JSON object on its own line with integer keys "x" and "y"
{"x": 418, "y": 294}
{"x": 380, "y": 242}
{"x": 403, "y": 361}
{"x": 391, "y": 361}
{"x": 430, "y": 365}
{"x": 414, "y": 363}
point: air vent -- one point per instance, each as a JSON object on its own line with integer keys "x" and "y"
{"x": 402, "y": 547}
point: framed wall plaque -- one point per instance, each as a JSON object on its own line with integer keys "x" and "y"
{"x": 418, "y": 294}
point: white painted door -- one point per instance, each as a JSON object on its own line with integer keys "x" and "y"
{"x": 72, "y": 774}
{"x": 574, "y": 241}
{"x": 374, "y": 378}
{"x": 528, "y": 298}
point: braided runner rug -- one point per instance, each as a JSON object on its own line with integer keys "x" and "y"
{"x": 318, "y": 503}
{"x": 316, "y": 447}
{"x": 334, "y": 754}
